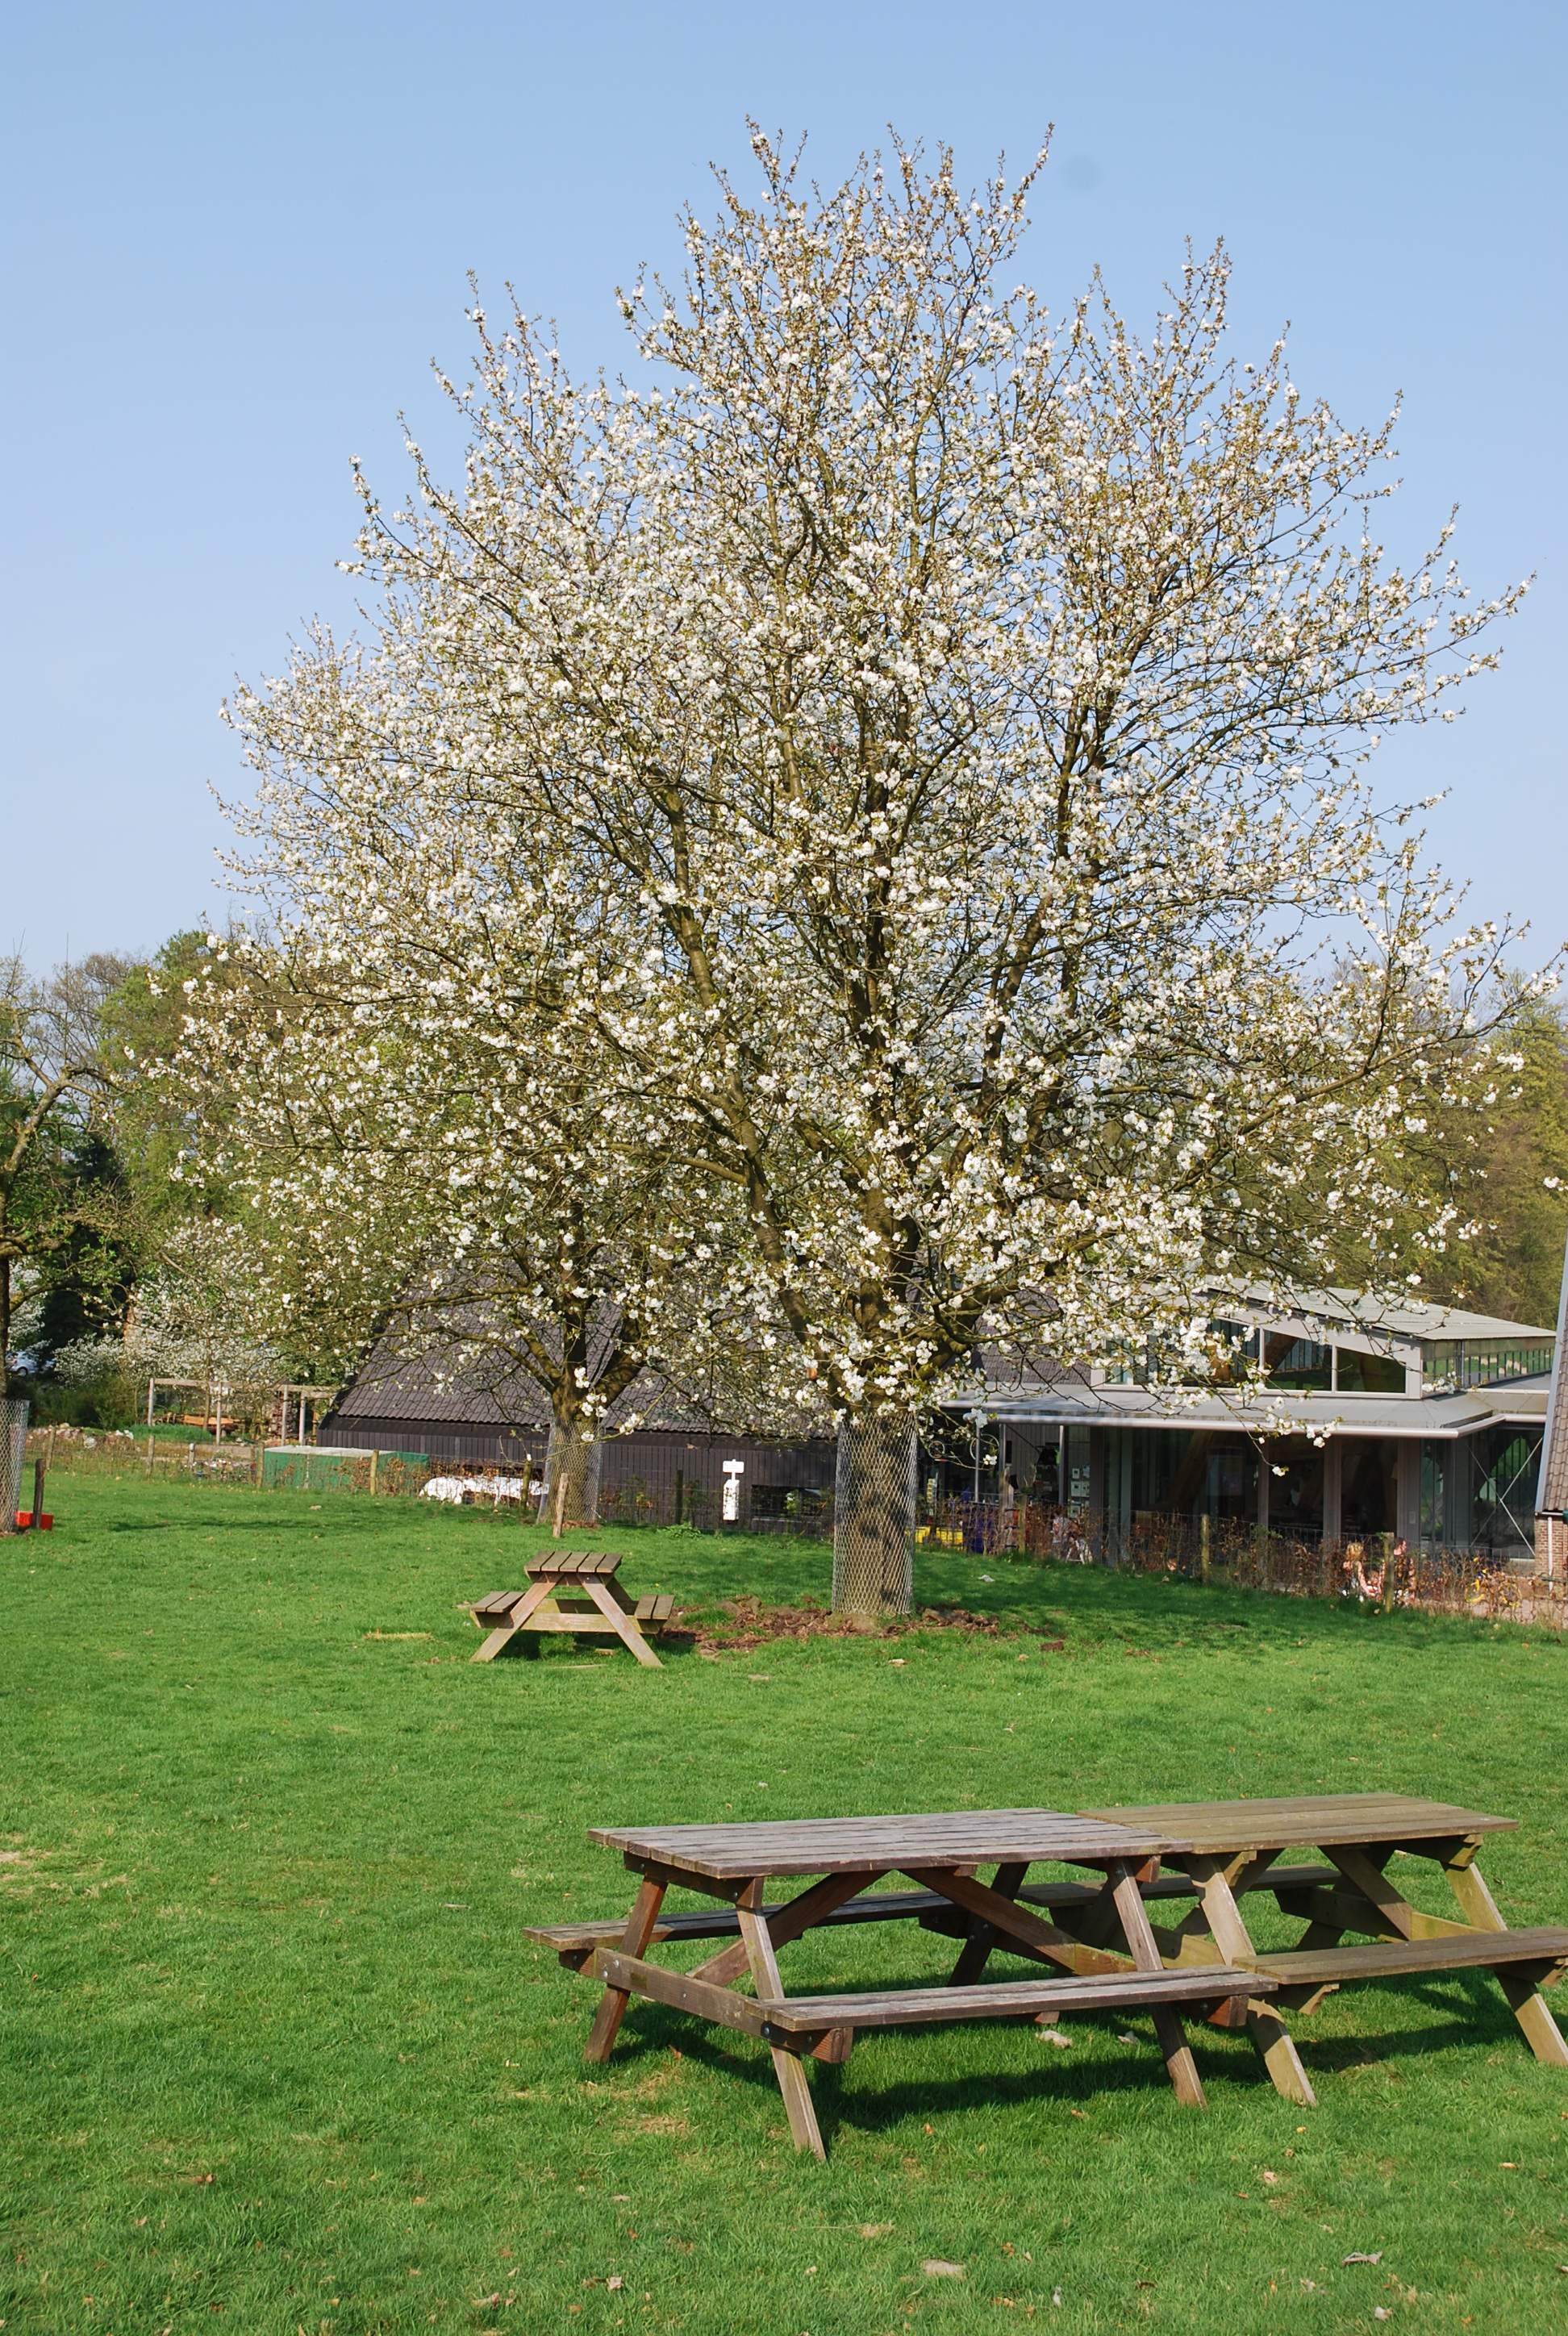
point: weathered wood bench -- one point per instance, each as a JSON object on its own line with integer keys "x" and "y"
{"x": 574, "y": 1591}
{"x": 1114, "y": 1966}
{"x": 824, "y": 2026}
{"x": 575, "y": 1943}
{"x": 1304, "y": 1973}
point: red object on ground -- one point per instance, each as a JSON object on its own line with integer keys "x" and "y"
{"x": 25, "y": 1521}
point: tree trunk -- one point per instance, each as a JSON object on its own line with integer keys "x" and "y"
{"x": 874, "y": 1517}
{"x": 4, "y": 1326}
{"x": 571, "y": 1473}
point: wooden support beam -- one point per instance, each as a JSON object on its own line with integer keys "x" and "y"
{"x": 785, "y": 1924}
{"x": 976, "y": 1951}
{"x": 1522, "y": 1984}
{"x": 1269, "y": 2037}
{"x": 639, "y": 1930}
{"x": 1018, "y": 1929}
{"x": 1179, "y": 2065}
{"x": 804, "y": 2131}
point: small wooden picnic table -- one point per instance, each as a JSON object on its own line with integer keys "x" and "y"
{"x": 570, "y": 1589}
{"x": 1223, "y": 1850}
{"x": 734, "y": 1863}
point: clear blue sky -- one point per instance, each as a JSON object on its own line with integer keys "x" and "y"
{"x": 239, "y": 233}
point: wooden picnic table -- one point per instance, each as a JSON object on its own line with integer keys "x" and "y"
{"x": 570, "y": 1589}
{"x": 1222, "y": 1851}
{"x": 938, "y": 1853}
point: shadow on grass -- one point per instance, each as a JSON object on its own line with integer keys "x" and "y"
{"x": 1474, "y": 2016}
{"x": 1139, "y": 2072}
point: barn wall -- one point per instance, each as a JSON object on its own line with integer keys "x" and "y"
{"x": 647, "y": 1461}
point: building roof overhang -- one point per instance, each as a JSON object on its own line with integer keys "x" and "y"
{"x": 1073, "y": 1403}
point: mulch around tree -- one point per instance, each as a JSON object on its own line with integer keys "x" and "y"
{"x": 747, "y": 1623}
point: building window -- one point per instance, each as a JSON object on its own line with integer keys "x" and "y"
{"x": 1435, "y": 1460}
{"x": 1358, "y": 1374}
{"x": 1292, "y": 1362}
{"x": 1369, "y": 1486}
{"x": 1449, "y": 1364}
{"x": 1295, "y": 1487}
{"x": 1507, "y": 1464}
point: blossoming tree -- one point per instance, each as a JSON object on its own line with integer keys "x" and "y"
{"x": 408, "y": 1127}
{"x": 950, "y": 715}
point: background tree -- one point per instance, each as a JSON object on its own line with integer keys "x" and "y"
{"x": 1498, "y": 1158}
{"x": 60, "y": 1192}
{"x": 410, "y": 1130}
{"x": 952, "y": 715}
{"x": 194, "y": 1322}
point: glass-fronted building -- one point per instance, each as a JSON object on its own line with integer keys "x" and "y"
{"x": 1334, "y": 1421}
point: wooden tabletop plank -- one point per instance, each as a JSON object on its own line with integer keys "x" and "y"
{"x": 574, "y": 1564}
{"x": 877, "y": 1844}
{"x": 1299, "y": 1820}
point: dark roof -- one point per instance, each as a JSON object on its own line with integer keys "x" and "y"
{"x": 472, "y": 1386}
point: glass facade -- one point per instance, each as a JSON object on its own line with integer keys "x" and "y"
{"x": 1369, "y": 1486}
{"x": 1475, "y": 1492}
{"x": 1173, "y": 1472}
{"x": 1447, "y": 1364}
{"x": 1289, "y": 1360}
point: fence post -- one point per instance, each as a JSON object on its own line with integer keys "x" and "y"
{"x": 1203, "y": 1548}
{"x": 1388, "y": 1582}
{"x": 375, "y": 1456}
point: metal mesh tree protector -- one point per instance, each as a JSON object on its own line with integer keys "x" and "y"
{"x": 874, "y": 1516}
{"x": 572, "y": 1475}
{"x": 13, "y": 1447}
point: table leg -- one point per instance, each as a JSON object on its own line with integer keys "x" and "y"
{"x": 639, "y": 1925}
{"x": 1270, "y": 2036}
{"x": 1521, "y": 1982}
{"x": 1179, "y": 2065}
{"x": 533, "y": 1597}
{"x": 787, "y": 2066}
{"x": 977, "y": 1948}
{"x": 620, "y": 1622}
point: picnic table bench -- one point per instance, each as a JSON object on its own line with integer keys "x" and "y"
{"x": 938, "y": 1853}
{"x": 1098, "y": 1940}
{"x": 1223, "y": 1850}
{"x": 570, "y": 1589}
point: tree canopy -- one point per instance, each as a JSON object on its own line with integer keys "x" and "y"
{"x": 927, "y": 731}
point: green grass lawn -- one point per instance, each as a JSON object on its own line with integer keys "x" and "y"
{"x": 276, "y": 2057}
